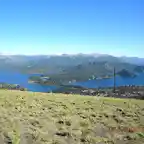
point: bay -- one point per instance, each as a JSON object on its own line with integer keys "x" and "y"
{"x": 22, "y": 80}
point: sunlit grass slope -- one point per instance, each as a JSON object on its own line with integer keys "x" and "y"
{"x": 38, "y": 118}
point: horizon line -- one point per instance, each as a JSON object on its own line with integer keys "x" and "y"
{"x": 70, "y": 54}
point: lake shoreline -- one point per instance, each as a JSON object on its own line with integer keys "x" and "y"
{"x": 89, "y": 87}
{"x": 131, "y": 91}
{"x": 7, "y": 86}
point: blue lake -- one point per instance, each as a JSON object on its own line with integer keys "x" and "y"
{"x": 139, "y": 80}
{"x": 22, "y": 79}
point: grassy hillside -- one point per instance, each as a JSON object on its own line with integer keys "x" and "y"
{"x": 67, "y": 119}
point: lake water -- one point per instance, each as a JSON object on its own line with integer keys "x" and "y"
{"x": 22, "y": 79}
{"x": 139, "y": 80}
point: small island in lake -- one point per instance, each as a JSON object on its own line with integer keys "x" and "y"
{"x": 126, "y": 74}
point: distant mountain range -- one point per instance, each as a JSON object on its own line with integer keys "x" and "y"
{"x": 79, "y": 66}
{"x": 96, "y": 56}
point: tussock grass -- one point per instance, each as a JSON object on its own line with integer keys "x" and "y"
{"x": 39, "y": 118}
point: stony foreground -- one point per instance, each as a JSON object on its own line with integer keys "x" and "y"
{"x": 37, "y": 118}
{"x": 135, "y": 92}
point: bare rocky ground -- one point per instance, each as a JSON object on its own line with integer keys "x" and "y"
{"x": 136, "y": 92}
{"x": 128, "y": 92}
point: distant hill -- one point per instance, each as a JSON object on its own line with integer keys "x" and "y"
{"x": 126, "y": 74}
{"x": 69, "y": 67}
{"x": 133, "y": 60}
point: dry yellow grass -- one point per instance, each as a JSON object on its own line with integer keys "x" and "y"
{"x": 38, "y": 118}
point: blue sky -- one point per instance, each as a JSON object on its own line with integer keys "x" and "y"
{"x": 72, "y": 26}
